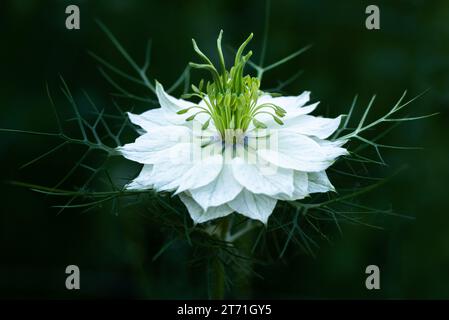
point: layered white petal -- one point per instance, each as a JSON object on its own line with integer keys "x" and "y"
{"x": 199, "y": 215}
{"x": 193, "y": 167}
{"x": 262, "y": 177}
{"x": 301, "y": 111}
{"x": 293, "y": 105}
{"x": 332, "y": 148}
{"x": 144, "y": 148}
{"x": 166, "y": 175}
{"x": 254, "y": 206}
{"x": 222, "y": 190}
{"x": 176, "y": 153}
{"x": 284, "y": 162}
{"x": 170, "y": 104}
{"x": 166, "y": 115}
{"x": 312, "y": 126}
{"x": 299, "y": 152}
{"x": 327, "y": 143}
{"x": 143, "y": 180}
{"x": 319, "y": 182}
{"x": 201, "y": 173}
{"x": 149, "y": 119}
{"x": 300, "y": 187}
{"x": 288, "y": 103}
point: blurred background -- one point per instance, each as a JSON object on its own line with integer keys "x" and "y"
{"x": 114, "y": 252}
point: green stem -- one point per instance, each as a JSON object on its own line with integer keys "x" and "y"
{"x": 216, "y": 279}
{"x": 216, "y": 269}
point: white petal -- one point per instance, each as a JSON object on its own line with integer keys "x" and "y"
{"x": 301, "y": 190}
{"x": 177, "y": 154}
{"x": 149, "y": 119}
{"x": 166, "y": 175}
{"x": 260, "y": 177}
{"x": 333, "y": 149}
{"x": 312, "y": 126}
{"x": 223, "y": 189}
{"x": 254, "y": 206}
{"x": 188, "y": 167}
{"x": 201, "y": 173}
{"x": 299, "y": 152}
{"x": 197, "y": 213}
{"x": 301, "y": 111}
{"x": 143, "y": 180}
{"x": 171, "y": 106}
{"x": 293, "y": 105}
{"x": 169, "y": 103}
{"x": 288, "y": 103}
{"x": 166, "y": 116}
{"x": 327, "y": 143}
{"x": 319, "y": 182}
{"x": 145, "y": 147}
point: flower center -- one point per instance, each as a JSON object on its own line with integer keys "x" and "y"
{"x": 230, "y": 99}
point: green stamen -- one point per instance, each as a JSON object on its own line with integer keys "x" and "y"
{"x": 231, "y": 97}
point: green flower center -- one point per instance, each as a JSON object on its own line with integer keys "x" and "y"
{"x": 230, "y": 98}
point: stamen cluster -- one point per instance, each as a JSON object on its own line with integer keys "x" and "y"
{"x": 230, "y": 99}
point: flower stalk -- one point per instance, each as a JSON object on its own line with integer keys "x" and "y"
{"x": 216, "y": 279}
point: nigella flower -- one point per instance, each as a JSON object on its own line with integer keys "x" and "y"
{"x": 238, "y": 149}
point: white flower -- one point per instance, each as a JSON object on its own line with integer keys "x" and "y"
{"x": 231, "y": 152}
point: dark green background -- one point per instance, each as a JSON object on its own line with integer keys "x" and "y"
{"x": 411, "y": 51}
